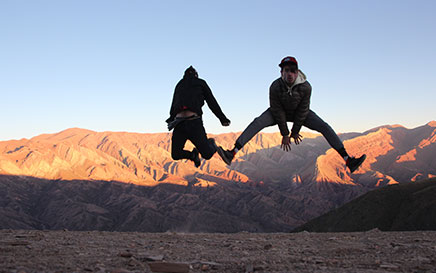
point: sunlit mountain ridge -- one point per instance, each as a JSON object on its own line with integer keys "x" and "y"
{"x": 394, "y": 153}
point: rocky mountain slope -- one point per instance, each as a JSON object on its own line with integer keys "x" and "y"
{"x": 265, "y": 188}
{"x": 400, "y": 207}
{"x": 394, "y": 154}
{"x": 32, "y": 203}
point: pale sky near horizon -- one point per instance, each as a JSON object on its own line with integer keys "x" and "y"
{"x": 113, "y": 65}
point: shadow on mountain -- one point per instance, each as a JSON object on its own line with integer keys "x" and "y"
{"x": 34, "y": 203}
{"x": 402, "y": 207}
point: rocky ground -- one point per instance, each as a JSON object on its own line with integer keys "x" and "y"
{"x": 95, "y": 251}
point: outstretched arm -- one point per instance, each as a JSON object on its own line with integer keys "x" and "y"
{"x": 214, "y": 106}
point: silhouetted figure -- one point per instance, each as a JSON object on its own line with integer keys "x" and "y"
{"x": 185, "y": 117}
{"x": 289, "y": 98}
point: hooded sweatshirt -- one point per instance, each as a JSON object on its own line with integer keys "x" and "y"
{"x": 290, "y": 103}
{"x": 190, "y": 94}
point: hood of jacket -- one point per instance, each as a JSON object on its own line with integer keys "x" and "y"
{"x": 301, "y": 78}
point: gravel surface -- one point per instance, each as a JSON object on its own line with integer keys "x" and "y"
{"x": 96, "y": 251}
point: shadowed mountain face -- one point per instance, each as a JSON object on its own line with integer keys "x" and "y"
{"x": 296, "y": 186}
{"x": 32, "y": 203}
{"x": 405, "y": 207}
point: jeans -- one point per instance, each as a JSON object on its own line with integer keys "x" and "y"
{"x": 192, "y": 130}
{"x": 313, "y": 122}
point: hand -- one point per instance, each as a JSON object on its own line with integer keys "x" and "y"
{"x": 297, "y": 138}
{"x": 225, "y": 123}
{"x": 286, "y": 143}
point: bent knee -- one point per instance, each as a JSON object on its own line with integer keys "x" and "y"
{"x": 207, "y": 154}
{"x": 176, "y": 156}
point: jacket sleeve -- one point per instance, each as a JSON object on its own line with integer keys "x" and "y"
{"x": 277, "y": 110}
{"x": 213, "y": 104}
{"x": 302, "y": 109}
{"x": 172, "y": 110}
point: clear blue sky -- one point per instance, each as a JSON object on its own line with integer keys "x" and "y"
{"x": 113, "y": 65}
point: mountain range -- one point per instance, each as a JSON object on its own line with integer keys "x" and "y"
{"x": 399, "y": 207}
{"x": 272, "y": 190}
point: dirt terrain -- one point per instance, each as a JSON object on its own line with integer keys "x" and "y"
{"x": 95, "y": 251}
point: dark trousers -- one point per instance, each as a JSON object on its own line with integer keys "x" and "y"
{"x": 313, "y": 122}
{"x": 192, "y": 130}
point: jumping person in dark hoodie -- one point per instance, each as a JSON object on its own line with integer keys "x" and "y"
{"x": 289, "y": 98}
{"x": 185, "y": 117}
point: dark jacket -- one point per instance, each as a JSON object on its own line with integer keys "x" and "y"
{"x": 290, "y": 104}
{"x": 190, "y": 94}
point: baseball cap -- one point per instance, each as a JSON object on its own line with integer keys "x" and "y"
{"x": 288, "y": 60}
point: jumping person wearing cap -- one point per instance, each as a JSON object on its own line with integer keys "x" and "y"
{"x": 289, "y": 98}
{"x": 185, "y": 118}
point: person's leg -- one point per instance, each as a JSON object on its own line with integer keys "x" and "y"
{"x": 178, "y": 141}
{"x": 198, "y": 137}
{"x": 314, "y": 122}
{"x": 264, "y": 120}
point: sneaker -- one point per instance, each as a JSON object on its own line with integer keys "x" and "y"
{"x": 226, "y": 155}
{"x": 354, "y": 163}
{"x": 196, "y": 158}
